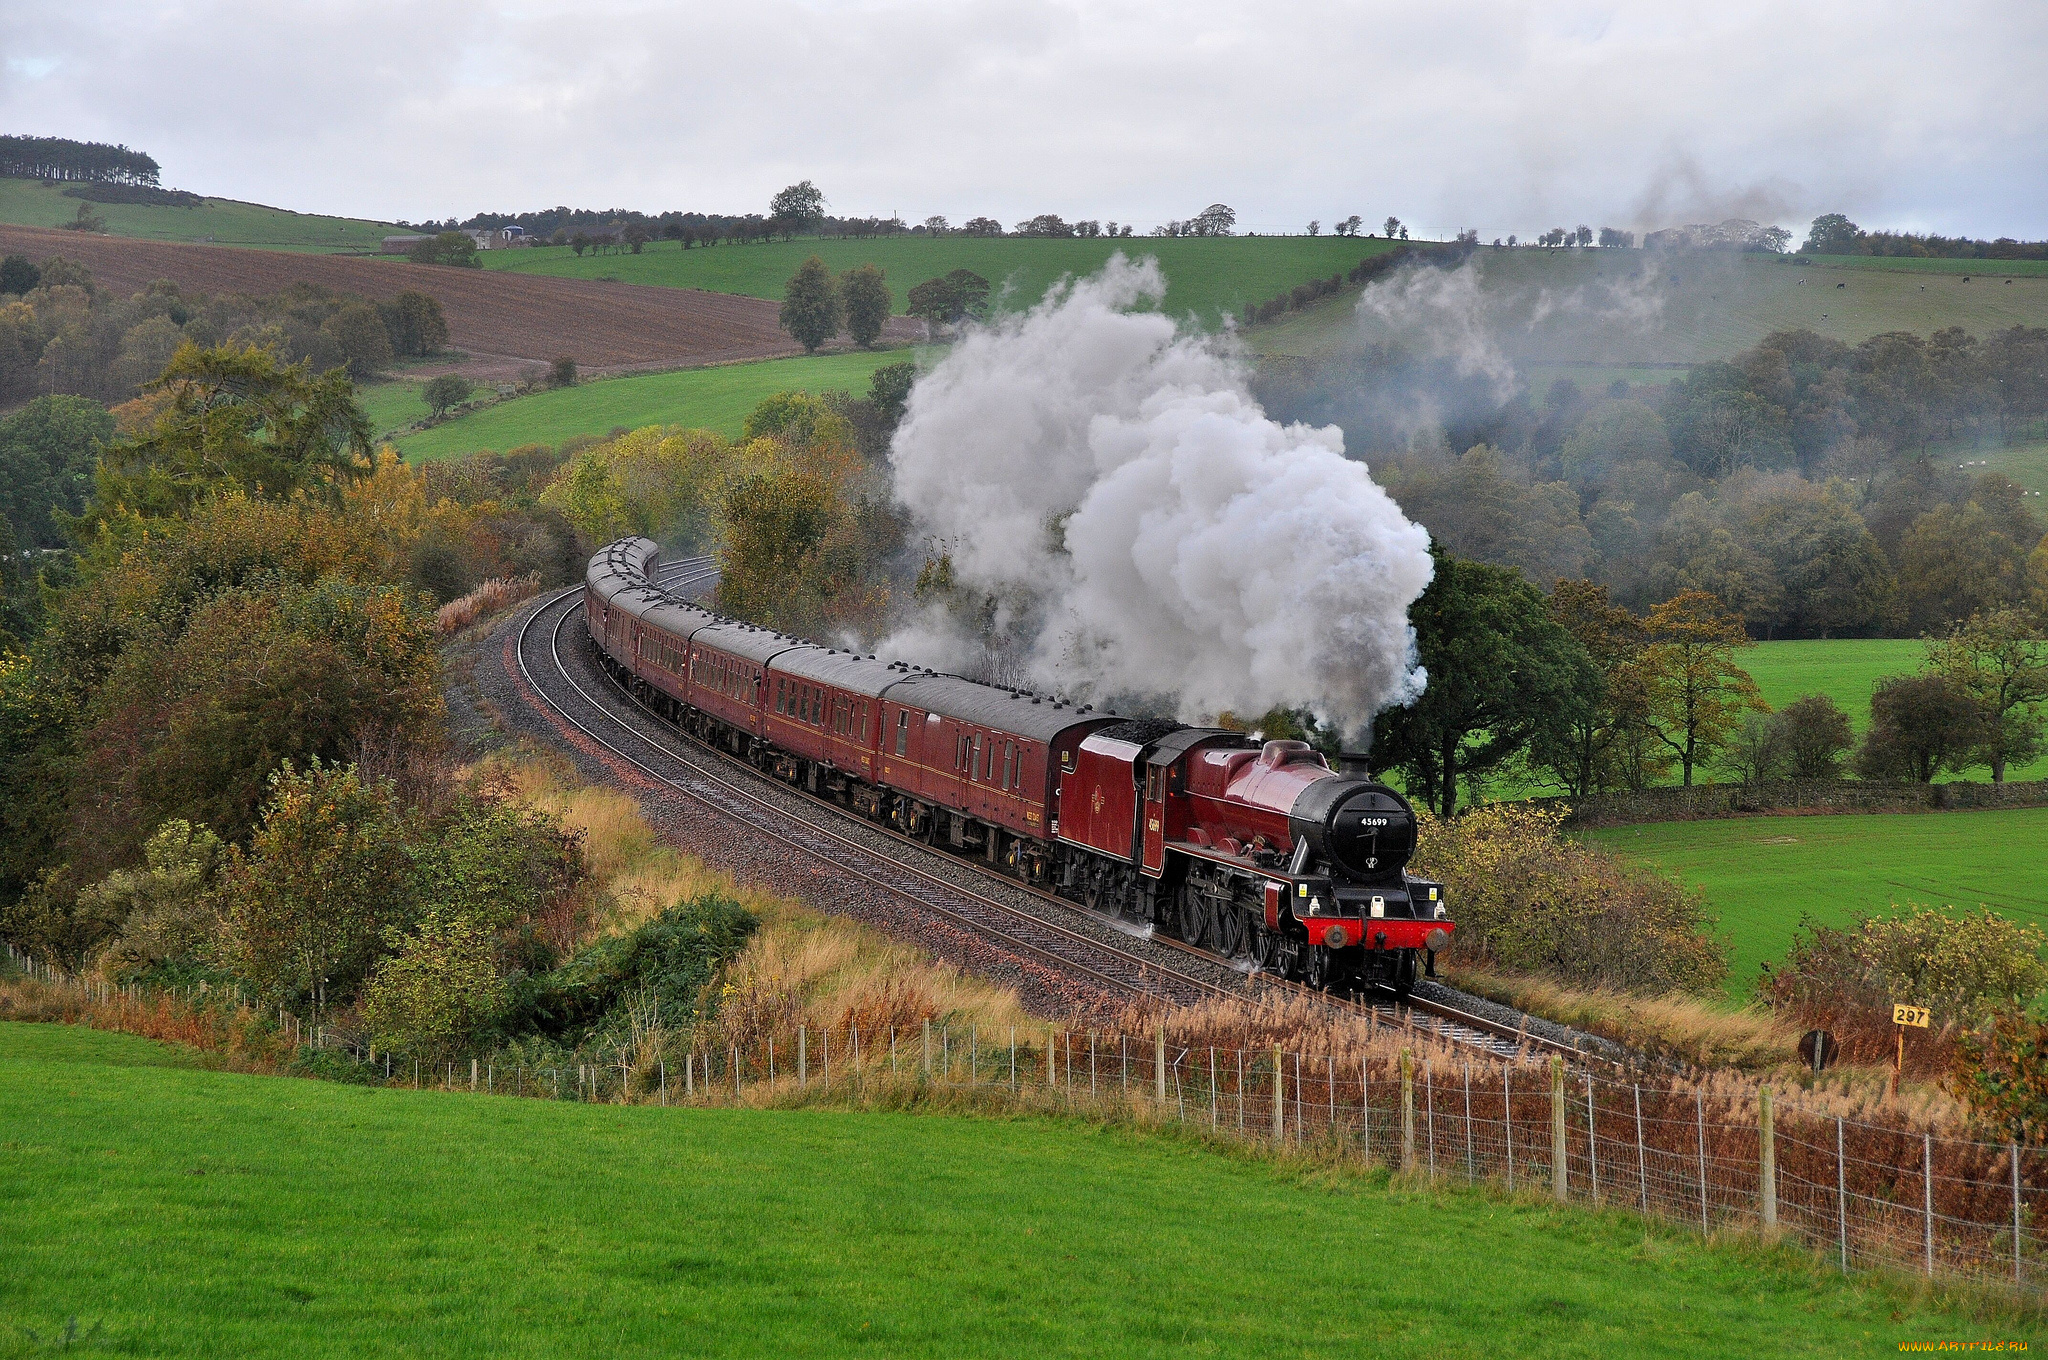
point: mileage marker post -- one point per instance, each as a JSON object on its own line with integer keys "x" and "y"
{"x": 1903, "y": 1016}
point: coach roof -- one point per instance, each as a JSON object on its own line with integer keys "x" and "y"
{"x": 1014, "y": 711}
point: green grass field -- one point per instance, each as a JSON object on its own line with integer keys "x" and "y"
{"x": 1204, "y": 276}
{"x": 696, "y": 398}
{"x": 1762, "y": 873}
{"x": 27, "y": 203}
{"x": 1700, "y": 307}
{"x": 173, "y": 1211}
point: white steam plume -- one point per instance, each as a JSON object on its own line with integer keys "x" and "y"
{"x": 1209, "y": 551}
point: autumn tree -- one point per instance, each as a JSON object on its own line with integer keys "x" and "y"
{"x": 1697, "y": 694}
{"x": 811, "y": 305}
{"x": 1501, "y": 671}
{"x": 359, "y": 334}
{"x": 1582, "y": 748}
{"x": 1999, "y": 660}
{"x": 1920, "y": 726}
{"x": 239, "y": 419}
{"x": 416, "y": 324}
{"x": 867, "y": 301}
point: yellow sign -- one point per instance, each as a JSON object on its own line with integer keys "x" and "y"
{"x": 1915, "y": 1016}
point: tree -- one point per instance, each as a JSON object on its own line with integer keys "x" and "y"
{"x": 416, "y": 324}
{"x": 1920, "y": 726}
{"x": 1350, "y": 225}
{"x": 950, "y": 298}
{"x": 889, "y": 389}
{"x": 1697, "y": 693}
{"x": 48, "y": 450}
{"x": 811, "y": 305}
{"x": 1580, "y": 749}
{"x": 456, "y": 248}
{"x": 359, "y": 335}
{"x": 867, "y": 300}
{"x": 305, "y": 909}
{"x": 1315, "y": 227}
{"x": 1613, "y": 435}
{"x": 1218, "y": 219}
{"x": 1755, "y": 751}
{"x": 1816, "y": 733}
{"x": 450, "y": 389}
{"x": 562, "y": 372}
{"x": 1391, "y": 226}
{"x": 18, "y": 275}
{"x": 1958, "y": 560}
{"x": 1500, "y": 671}
{"x": 936, "y": 225}
{"x": 1832, "y": 234}
{"x": 983, "y": 226}
{"x": 2000, "y": 661}
{"x": 235, "y": 418}
{"x": 1584, "y": 235}
{"x": 798, "y": 208}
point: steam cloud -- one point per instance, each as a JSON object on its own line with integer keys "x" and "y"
{"x": 1146, "y": 526}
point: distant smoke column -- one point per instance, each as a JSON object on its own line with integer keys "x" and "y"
{"x": 1209, "y": 551}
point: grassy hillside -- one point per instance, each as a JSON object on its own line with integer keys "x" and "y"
{"x": 701, "y": 398}
{"x": 1625, "y": 308}
{"x": 27, "y": 203}
{"x": 175, "y": 1212}
{"x": 1204, "y": 276}
{"x": 1762, "y": 873}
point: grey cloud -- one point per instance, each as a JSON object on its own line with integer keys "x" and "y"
{"x": 1500, "y": 116}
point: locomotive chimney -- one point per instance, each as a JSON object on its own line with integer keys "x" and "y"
{"x": 1354, "y": 765}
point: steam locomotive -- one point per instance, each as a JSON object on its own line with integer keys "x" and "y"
{"x": 1259, "y": 851}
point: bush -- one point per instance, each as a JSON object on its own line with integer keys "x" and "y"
{"x": 449, "y": 247}
{"x": 450, "y": 389}
{"x": 2001, "y": 1073}
{"x": 661, "y": 967}
{"x": 1920, "y": 726}
{"x": 416, "y": 324}
{"x": 439, "y": 992}
{"x": 1525, "y": 898}
{"x": 358, "y": 333}
{"x": 562, "y": 372}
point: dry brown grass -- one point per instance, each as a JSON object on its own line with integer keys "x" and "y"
{"x": 492, "y": 598}
{"x": 1691, "y": 1029}
{"x": 801, "y": 968}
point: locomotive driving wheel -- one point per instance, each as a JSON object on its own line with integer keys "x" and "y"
{"x": 1322, "y": 967}
{"x": 1193, "y": 910}
{"x": 1230, "y": 932}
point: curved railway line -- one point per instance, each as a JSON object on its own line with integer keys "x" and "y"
{"x": 718, "y": 782}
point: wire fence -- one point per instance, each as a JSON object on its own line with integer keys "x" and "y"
{"x": 1867, "y": 1196}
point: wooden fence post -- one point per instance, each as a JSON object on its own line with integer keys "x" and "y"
{"x": 803, "y": 1056}
{"x": 1159, "y": 1064}
{"x": 1407, "y": 1110}
{"x": 1279, "y": 1097}
{"x": 1560, "y": 1167}
{"x": 926, "y": 1061}
{"x": 1052, "y": 1060}
{"x": 1767, "y": 1159}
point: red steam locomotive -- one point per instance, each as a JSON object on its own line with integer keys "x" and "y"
{"x": 1260, "y": 852}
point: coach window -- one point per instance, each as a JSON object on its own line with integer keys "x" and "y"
{"x": 902, "y": 731}
{"x": 974, "y": 767}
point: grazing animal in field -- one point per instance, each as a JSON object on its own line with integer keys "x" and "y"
{"x": 1841, "y": 285}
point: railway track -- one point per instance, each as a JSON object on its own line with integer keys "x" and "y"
{"x": 700, "y": 773}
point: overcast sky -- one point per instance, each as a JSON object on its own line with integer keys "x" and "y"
{"x": 1496, "y": 116}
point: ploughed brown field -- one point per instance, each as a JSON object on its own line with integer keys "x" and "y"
{"x": 499, "y": 319}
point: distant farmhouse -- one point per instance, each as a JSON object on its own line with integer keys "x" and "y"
{"x": 498, "y": 239}
{"x": 1736, "y": 233}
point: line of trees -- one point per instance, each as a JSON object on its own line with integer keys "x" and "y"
{"x": 1573, "y": 691}
{"x": 62, "y": 333}
{"x": 815, "y": 305}
{"x": 1835, "y": 234}
{"x": 65, "y": 159}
